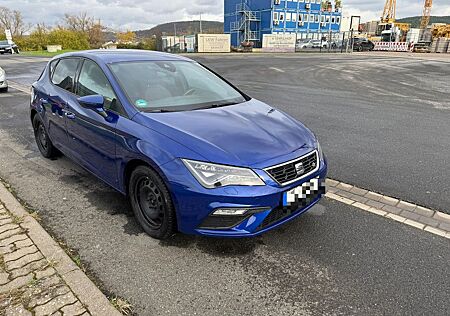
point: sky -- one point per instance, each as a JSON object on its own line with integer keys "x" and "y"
{"x": 142, "y": 14}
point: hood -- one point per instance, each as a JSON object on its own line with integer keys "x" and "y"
{"x": 245, "y": 134}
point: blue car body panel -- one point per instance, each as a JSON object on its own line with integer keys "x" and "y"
{"x": 251, "y": 134}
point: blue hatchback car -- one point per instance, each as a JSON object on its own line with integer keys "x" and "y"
{"x": 191, "y": 151}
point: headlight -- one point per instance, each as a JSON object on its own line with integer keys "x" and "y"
{"x": 319, "y": 149}
{"x": 213, "y": 176}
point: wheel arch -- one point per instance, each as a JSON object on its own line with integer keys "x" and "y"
{"x": 136, "y": 162}
{"x": 33, "y": 114}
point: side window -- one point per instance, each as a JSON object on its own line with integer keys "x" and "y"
{"x": 64, "y": 73}
{"x": 93, "y": 81}
{"x": 52, "y": 66}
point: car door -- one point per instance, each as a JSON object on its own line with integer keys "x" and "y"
{"x": 54, "y": 100}
{"x": 92, "y": 137}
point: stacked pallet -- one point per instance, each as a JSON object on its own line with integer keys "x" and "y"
{"x": 441, "y": 45}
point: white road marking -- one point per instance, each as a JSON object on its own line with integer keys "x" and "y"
{"x": 18, "y": 86}
{"x": 277, "y": 69}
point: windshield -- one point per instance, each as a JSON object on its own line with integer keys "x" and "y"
{"x": 4, "y": 43}
{"x": 153, "y": 86}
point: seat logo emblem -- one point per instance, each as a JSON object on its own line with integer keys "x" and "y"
{"x": 299, "y": 168}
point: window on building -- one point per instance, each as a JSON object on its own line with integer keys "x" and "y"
{"x": 333, "y": 20}
{"x": 317, "y": 18}
{"x": 338, "y": 20}
{"x": 306, "y": 17}
{"x": 300, "y": 17}
{"x": 275, "y": 16}
{"x": 281, "y": 16}
{"x": 311, "y": 18}
{"x": 322, "y": 18}
{"x": 328, "y": 19}
{"x": 288, "y": 17}
{"x": 294, "y": 17}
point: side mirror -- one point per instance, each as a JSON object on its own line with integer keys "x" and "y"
{"x": 93, "y": 102}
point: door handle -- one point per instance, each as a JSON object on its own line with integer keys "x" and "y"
{"x": 69, "y": 115}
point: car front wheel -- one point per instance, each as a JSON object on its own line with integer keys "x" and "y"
{"x": 151, "y": 203}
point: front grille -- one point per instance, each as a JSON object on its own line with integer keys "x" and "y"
{"x": 295, "y": 169}
{"x": 282, "y": 212}
{"x": 222, "y": 222}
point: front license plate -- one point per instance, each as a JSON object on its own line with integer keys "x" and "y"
{"x": 302, "y": 192}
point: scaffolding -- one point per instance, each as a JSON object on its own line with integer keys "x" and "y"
{"x": 247, "y": 24}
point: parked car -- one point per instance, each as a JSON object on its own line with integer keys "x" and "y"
{"x": 3, "y": 81}
{"x": 10, "y": 48}
{"x": 362, "y": 44}
{"x": 304, "y": 43}
{"x": 191, "y": 151}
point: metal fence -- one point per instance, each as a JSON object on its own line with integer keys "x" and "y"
{"x": 331, "y": 42}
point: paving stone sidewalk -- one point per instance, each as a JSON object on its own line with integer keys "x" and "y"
{"x": 432, "y": 221}
{"x": 36, "y": 276}
{"x": 29, "y": 284}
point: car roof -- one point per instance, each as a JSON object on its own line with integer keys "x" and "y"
{"x": 109, "y": 56}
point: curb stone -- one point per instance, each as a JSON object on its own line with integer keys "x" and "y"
{"x": 86, "y": 292}
{"x": 420, "y": 217}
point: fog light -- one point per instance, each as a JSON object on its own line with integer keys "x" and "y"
{"x": 230, "y": 211}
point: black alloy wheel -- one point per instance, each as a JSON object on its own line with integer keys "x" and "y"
{"x": 151, "y": 203}
{"x": 43, "y": 142}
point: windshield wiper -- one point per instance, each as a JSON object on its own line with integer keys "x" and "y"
{"x": 218, "y": 105}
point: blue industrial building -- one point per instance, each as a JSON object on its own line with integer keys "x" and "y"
{"x": 249, "y": 20}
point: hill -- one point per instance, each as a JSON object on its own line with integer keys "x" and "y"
{"x": 415, "y": 20}
{"x": 182, "y": 28}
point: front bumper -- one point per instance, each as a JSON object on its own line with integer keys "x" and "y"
{"x": 3, "y": 84}
{"x": 194, "y": 204}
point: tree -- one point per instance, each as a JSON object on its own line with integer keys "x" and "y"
{"x": 80, "y": 23}
{"x": 13, "y": 20}
{"x": 87, "y": 25}
{"x": 96, "y": 35}
{"x": 126, "y": 37}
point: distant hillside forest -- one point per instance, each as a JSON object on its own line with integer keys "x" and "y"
{"x": 415, "y": 20}
{"x": 182, "y": 28}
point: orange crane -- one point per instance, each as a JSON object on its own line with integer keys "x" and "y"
{"x": 426, "y": 14}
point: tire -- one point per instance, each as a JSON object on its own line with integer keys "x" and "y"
{"x": 151, "y": 203}
{"x": 4, "y": 90}
{"x": 43, "y": 142}
{"x": 360, "y": 49}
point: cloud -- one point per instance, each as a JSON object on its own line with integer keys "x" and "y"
{"x": 139, "y": 14}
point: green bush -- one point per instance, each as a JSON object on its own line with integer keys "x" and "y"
{"x": 68, "y": 39}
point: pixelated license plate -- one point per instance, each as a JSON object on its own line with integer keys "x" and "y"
{"x": 301, "y": 192}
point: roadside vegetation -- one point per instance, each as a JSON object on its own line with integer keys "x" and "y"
{"x": 74, "y": 32}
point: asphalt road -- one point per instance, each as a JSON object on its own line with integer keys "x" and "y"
{"x": 333, "y": 260}
{"x": 382, "y": 121}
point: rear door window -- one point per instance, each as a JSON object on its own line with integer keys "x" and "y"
{"x": 64, "y": 73}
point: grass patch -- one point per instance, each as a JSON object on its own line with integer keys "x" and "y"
{"x": 33, "y": 282}
{"x": 121, "y": 305}
{"x": 17, "y": 219}
{"x": 44, "y": 53}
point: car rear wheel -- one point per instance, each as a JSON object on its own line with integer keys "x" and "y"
{"x": 43, "y": 142}
{"x": 151, "y": 203}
